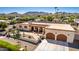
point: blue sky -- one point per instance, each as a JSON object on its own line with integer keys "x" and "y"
{"x": 39, "y": 9}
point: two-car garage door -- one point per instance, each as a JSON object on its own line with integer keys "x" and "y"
{"x": 60, "y": 37}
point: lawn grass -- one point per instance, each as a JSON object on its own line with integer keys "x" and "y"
{"x": 9, "y": 46}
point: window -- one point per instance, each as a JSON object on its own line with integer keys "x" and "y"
{"x": 25, "y": 26}
{"x": 20, "y": 26}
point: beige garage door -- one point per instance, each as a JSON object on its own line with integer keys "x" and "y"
{"x": 50, "y": 36}
{"x": 61, "y": 37}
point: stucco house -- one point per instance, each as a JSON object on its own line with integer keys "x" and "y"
{"x": 59, "y": 32}
{"x": 6, "y": 21}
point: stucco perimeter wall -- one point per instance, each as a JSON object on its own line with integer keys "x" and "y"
{"x": 69, "y": 34}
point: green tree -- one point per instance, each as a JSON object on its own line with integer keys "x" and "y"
{"x": 31, "y": 18}
{"x": 49, "y": 18}
{"x": 63, "y": 18}
{"x": 13, "y": 22}
{"x": 71, "y": 19}
{"x": 3, "y": 18}
{"x": 22, "y": 19}
{"x": 3, "y": 25}
{"x": 14, "y": 27}
{"x": 17, "y": 35}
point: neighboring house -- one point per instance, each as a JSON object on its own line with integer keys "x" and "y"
{"x": 59, "y": 32}
{"x": 2, "y": 20}
{"x": 56, "y": 20}
{"x": 16, "y": 18}
{"x": 76, "y": 22}
{"x": 6, "y": 21}
{"x": 38, "y": 19}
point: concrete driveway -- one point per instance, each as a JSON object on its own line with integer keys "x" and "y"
{"x": 52, "y": 45}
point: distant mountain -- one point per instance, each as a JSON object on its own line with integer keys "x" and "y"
{"x": 36, "y": 13}
{"x": 27, "y": 13}
{"x": 13, "y": 14}
{"x": 2, "y": 14}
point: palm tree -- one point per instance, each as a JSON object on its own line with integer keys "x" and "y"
{"x": 56, "y": 11}
{"x": 7, "y": 33}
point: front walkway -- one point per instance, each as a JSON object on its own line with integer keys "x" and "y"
{"x": 34, "y": 35}
{"x": 52, "y": 45}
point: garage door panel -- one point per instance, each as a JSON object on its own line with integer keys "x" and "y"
{"x": 50, "y": 36}
{"x": 61, "y": 37}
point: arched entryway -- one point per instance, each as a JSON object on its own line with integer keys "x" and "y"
{"x": 50, "y": 36}
{"x": 40, "y": 29}
{"x": 61, "y": 37}
{"x": 32, "y": 28}
{"x": 36, "y": 29}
